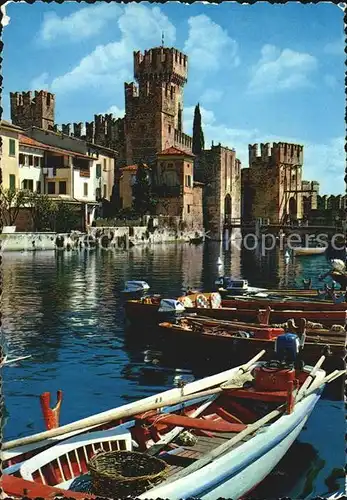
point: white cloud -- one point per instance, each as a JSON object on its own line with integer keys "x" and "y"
{"x": 116, "y": 111}
{"x": 84, "y": 23}
{"x": 337, "y": 47}
{"x": 108, "y": 66}
{"x": 5, "y": 18}
{"x": 279, "y": 70}
{"x": 323, "y": 162}
{"x": 209, "y": 46}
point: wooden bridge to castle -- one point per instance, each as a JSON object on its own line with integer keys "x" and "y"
{"x": 263, "y": 225}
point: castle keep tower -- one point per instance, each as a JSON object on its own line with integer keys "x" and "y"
{"x": 28, "y": 111}
{"x": 153, "y": 110}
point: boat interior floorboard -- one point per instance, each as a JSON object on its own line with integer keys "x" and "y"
{"x": 185, "y": 455}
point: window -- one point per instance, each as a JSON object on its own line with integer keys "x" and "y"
{"x": 38, "y": 187}
{"x": 36, "y": 161}
{"x": 98, "y": 170}
{"x": 98, "y": 193}
{"x": 105, "y": 165}
{"x": 28, "y": 184}
{"x": 105, "y": 190}
{"x": 188, "y": 209}
{"x": 169, "y": 129}
{"x": 12, "y": 182}
{"x": 51, "y": 187}
{"x": 12, "y": 147}
{"x": 188, "y": 181}
{"x": 62, "y": 187}
{"x": 31, "y": 161}
{"x": 21, "y": 159}
{"x": 85, "y": 189}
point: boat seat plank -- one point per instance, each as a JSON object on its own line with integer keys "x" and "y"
{"x": 273, "y": 396}
{"x": 191, "y": 423}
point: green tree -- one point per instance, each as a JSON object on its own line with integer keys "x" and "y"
{"x": 142, "y": 191}
{"x": 198, "y": 134}
{"x": 66, "y": 217}
{"x": 43, "y": 211}
{"x": 11, "y": 201}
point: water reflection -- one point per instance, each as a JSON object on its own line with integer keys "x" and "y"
{"x": 66, "y": 311}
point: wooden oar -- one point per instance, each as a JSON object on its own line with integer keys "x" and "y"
{"x": 214, "y": 392}
{"x": 6, "y": 361}
{"x": 310, "y": 377}
{"x": 217, "y": 452}
{"x": 170, "y": 436}
{"x": 127, "y": 411}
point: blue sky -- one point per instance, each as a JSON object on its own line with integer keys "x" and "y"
{"x": 261, "y": 72}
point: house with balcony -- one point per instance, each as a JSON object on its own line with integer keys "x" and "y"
{"x": 102, "y": 173}
{"x": 61, "y": 174}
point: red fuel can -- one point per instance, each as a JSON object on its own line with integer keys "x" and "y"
{"x": 268, "y": 333}
{"x": 272, "y": 379}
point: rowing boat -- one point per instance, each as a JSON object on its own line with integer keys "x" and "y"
{"x": 213, "y": 438}
{"x": 242, "y": 340}
{"x": 308, "y": 250}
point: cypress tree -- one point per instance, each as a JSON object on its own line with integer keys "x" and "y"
{"x": 198, "y": 134}
{"x": 142, "y": 190}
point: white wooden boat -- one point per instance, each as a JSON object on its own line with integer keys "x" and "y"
{"x": 228, "y": 437}
{"x": 308, "y": 250}
{"x": 232, "y": 286}
{"x": 135, "y": 286}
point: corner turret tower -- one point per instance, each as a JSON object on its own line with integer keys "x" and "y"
{"x": 153, "y": 109}
{"x": 28, "y": 111}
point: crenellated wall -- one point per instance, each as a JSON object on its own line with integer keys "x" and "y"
{"x": 28, "y": 109}
{"x": 220, "y": 171}
{"x": 104, "y": 130}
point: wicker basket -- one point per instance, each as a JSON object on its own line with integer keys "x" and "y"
{"x": 118, "y": 474}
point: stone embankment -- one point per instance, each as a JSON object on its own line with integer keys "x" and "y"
{"x": 97, "y": 237}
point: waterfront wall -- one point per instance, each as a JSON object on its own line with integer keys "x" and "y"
{"x": 22, "y": 242}
{"x": 104, "y": 237}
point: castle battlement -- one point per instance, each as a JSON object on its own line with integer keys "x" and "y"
{"x": 182, "y": 141}
{"x": 275, "y": 154}
{"x": 166, "y": 64}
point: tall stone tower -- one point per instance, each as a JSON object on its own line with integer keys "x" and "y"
{"x": 272, "y": 186}
{"x": 28, "y": 111}
{"x": 154, "y": 108}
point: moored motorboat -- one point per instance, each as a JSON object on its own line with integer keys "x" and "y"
{"x": 210, "y": 304}
{"x": 219, "y": 436}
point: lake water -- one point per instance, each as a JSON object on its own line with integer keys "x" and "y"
{"x": 65, "y": 310}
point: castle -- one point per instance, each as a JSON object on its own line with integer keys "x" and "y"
{"x": 272, "y": 186}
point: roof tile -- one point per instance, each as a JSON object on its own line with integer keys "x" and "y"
{"x": 175, "y": 152}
